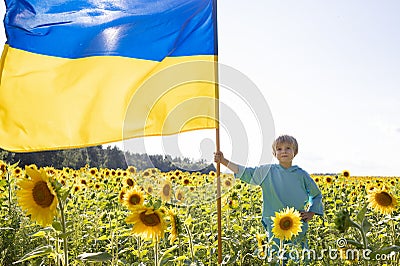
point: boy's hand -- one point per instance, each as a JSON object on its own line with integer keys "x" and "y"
{"x": 306, "y": 216}
{"x": 219, "y": 157}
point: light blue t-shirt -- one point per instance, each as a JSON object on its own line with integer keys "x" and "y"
{"x": 283, "y": 187}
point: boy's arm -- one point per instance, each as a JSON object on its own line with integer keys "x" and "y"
{"x": 219, "y": 158}
{"x": 316, "y": 196}
{"x": 254, "y": 176}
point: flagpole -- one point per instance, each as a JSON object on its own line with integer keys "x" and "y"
{"x": 217, "y": 134}
{"x": 217, "y": 144}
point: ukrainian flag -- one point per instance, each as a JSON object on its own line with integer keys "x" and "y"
{"x": 81, "y": 73}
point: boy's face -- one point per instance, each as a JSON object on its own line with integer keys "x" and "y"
{"x": 284, "y": 153}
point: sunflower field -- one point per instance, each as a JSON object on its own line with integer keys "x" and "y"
{"x": 115, "y": 217}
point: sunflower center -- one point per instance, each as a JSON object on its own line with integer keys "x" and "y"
{"x": 285, "y": 223}
{"x": 134, "y": 199}
{"x": 42, "y": 195}
{"x": 132, "y": 170}
{"x": 151, "y": 219}
{"x": 121, "y": 195}
{"x": 383, "y": 199}
{"x": 166, "y": 190}
{"x": 129, "y": 182}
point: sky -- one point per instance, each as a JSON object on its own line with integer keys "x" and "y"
{"x": 328, "y": 73}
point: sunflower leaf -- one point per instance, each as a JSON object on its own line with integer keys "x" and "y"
{"x": 354, "y": 243}
{"x": 366, "y": 225}
{"x": 180, "y": 258}
{"x": 166, "y": 255}
{"x": 361, "y": 214}
{"x": 39, "y": 234}
{"x": 99, "y": 256}
{"x": 157, "y": 204}
{"x": 64, "y": 194}
{"x": 385, "y": 250}
{"x": 103, "y": 237}
{"x": 237, "y": 227}
{"x": 65, "y": 235}
{"x": 57, "y": 226}
{"x": 38, "y": 252}
{"x": 189, "y": 220}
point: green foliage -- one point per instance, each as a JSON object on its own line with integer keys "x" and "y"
{"x": 97, "y": 233}
{"x": 111, "y": 157}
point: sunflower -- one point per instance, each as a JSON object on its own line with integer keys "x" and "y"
{"x": 371, "y": 187}
{"x": 119, "y": 173}
{"x": 353, "y": 196}
{"x": 3, "y": 169}
{"x": 93, "y": 171}
{"x": 260, "y": 245}
{"x": 166, "y": 191}
{"x": 37, "y": 197}
{"x": 133, "y": 198}
{"x": 233, "y": 203}
{"x": 178, "y": 173}
{"x": 149, "y": 188}
{"x": 83, "y": 181}
{"x": 174, "y": 226}
{"x": 228, "y": 182}
{"x": 287, "y": 224}
{"x": 97, "y": 186}
{"x": 129, "y": 181}
{"x": 180, "y": 195}
{"x": 77, "y": 188}
{"x": 382, "y": 201}
{"x": 186, "y": 181}
{"x": 346, "y": 173}
{"x": 17, "y": 171}
{"x": 328, "y": 179}
{"x": 121, "y": 195}
{"x": 32, "y": 166}
{"x": 146, "y": 173}
{"x": 147, "y": 222}
{"x": 132, "y": 169}
{"x": 63, "y": 182}
{"x": 3, "y": 166}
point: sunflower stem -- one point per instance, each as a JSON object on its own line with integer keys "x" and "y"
{"x": 281, "y": 250}
{"x": 364, "y": 238}
{"x": 64, "y": 235}
{"x": 139, "y": 244}
{"x": 392, "y": 225}
{"x": 9, "y": 193}
{"x": 190, "y": 242}
{"x": 156, "y": 262}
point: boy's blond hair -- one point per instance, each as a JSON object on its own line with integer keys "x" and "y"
{"x": 285, "y": 139}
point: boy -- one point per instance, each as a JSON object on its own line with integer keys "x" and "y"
{"x": 283, "y": 185}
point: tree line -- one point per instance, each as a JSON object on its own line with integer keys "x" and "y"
{"x": 110, "y": 157}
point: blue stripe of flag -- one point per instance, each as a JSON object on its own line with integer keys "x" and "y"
{"x": 143, "y": 29}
